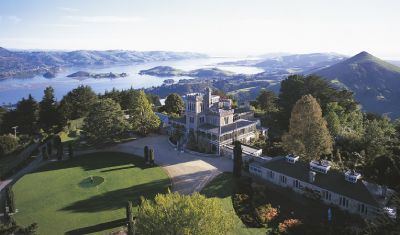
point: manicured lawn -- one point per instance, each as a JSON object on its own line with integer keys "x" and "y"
{"x": 222, "y": 188}
{"x": 61, "y": 198}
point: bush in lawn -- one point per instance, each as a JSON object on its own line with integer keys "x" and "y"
{"x": 146, "y": 154}
{"x": 10, "y": 199}
{"x": 151, "y": 156}
{"x": 44, "y": 153}
{"x": 287, "y": 225}
{"x": 237, "y": 159}
{"x": 266, "y": 213}
{"x": 8, "y": 144}
{"x": 129, "y": 218}
{"x": 70, "y": 150}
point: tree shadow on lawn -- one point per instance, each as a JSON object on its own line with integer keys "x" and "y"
{"x": 117, "y": 199}
{"x": 98, "y": 227}
{"x": 93, "y": 161}
{"x": 222, "y": 186}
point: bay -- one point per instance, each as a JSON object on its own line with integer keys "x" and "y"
{"x": 12, "y": 90}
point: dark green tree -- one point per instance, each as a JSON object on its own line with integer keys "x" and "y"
{"x": 151, "y": 156}
{"x": 129, "y": 218}
{"x": 174, "y": 104}
{"x": 237, "y": 159}
{"x": 27, "y": 114}
{"x": 146, "y": 154}
{"x": 48, "y": 113}
{"x": 105, "y": 120}
{"x": 267, "y": 101}
{"x": 10, "y": 199}
{"x": 76, "y": 103}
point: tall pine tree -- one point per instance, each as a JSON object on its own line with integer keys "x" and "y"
{"x": 308, "y": 134}
{"x": 48, "y": 114}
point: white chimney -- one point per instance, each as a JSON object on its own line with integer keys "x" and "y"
{"x": 291, "y": 158}
{"x": 311, "y": 177}
{"x": 352, "y": 176}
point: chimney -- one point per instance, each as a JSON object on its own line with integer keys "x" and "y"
{"x": 352, "y": 176}
{"x": 311, "y": 177}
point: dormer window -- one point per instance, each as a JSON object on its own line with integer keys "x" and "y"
{"x": 320, "y": 166}
{"x": 352, "y": 176}
{"x": 291, "y": 158}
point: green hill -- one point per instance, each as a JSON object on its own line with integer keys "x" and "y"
{"x": 375, "y": 83}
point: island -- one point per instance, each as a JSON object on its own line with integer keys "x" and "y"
{"x": 84, "y": 74}
{"x": 208, "y": 73}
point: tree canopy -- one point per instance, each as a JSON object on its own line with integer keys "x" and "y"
{"x": 105, "y": 120}
{"x": 174, "y": 104}
{"x": 173, "y": 213}
{"x": 308, "y": 134}
{"x": 142, "y": 118}
{"x": 76, "y": 103}
{"x": 48, "y": 113}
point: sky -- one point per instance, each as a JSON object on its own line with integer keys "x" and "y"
{"x": 216, "y": 27}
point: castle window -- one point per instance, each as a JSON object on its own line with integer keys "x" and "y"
{"x": 191, "y": 119}
{"x": 344, "y": 202}
{"x": 283, "y": 179}
{"x": 201, "y": 119}
{"x": 327, "y": 195}
{"x": 226, "y": 119}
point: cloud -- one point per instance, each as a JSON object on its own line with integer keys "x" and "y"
{"x": 68, "y": 9}
{"x": 10, "y": 18}
{"x": 105, "y": 19}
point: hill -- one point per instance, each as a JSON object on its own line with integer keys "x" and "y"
{"x": 29, "y": 63}
{"x": 376, "y": 83}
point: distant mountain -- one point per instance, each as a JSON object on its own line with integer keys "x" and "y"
{"x": 29, "y": 63}
{"x": 301, "y": 62}
{"x": 284, "y": 64}
{"x": 376, "y": 83}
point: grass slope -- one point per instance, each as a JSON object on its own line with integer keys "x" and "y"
{"x": 221, "y": 187}
{"x": 55, "y": 199}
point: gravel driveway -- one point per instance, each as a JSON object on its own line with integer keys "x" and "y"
{"x": 189, "y": 173}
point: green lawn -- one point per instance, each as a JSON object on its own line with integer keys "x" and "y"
{"x": 60, "y": 198}
{"x": 222, "y": 188}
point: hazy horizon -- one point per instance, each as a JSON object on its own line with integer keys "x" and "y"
{"x": 216, "y": 28}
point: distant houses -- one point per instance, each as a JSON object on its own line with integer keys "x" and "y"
{"x": 316, "y": 180}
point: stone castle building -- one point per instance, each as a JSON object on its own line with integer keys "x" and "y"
{"x": 213, "y": 121}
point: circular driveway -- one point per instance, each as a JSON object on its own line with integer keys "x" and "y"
{"x": 189, "y": 173}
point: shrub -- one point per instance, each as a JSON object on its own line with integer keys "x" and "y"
{"x": 8, "y": 144}
{"x": 151, "y": 156}
{"x": 70, "y": 150}
{"x": 10, "y": 199}
{"x": 266, "y": 213}
{"x": 288, "y": 225}
{"x": 146, "y": 154}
